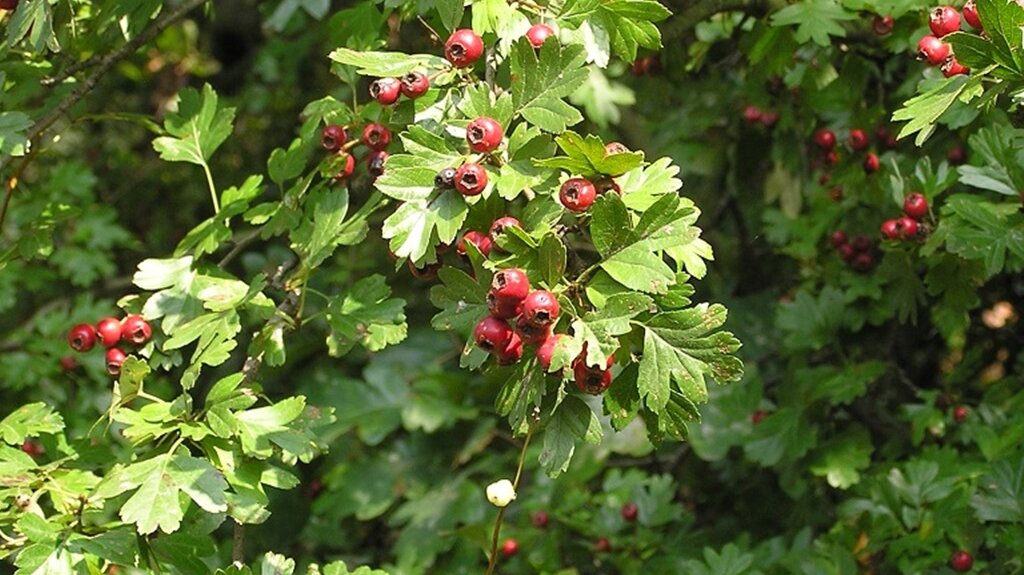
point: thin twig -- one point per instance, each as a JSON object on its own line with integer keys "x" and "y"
{"x": 238, "y": 545}
{"x": 501, "y": 514}
{"x": 70, "y": 71}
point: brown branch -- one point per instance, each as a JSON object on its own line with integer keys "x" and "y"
{"x": 71, "y": 70}
{"x": 689, "y": 14}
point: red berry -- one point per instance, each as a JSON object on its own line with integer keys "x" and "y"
{"x": 883, "y": 25}
{"x": 538, "y": 34}
{"x": 956, "y": 155}
{"x": 863, "y": 262}
{"x": 861, "y": 243}
{"x": 82, "y": 337}
{"x": 375, "y": 163}
{"x": 540, "y": 308}
{"x": 463, "y": 48}
{"x": 944, "y": 20}
{"x": 115, "y": 357}
{"x": 933, "y": 50}
{"x": 414, "y": 84}
{"x": 501, "y": 224}
{"x": 531, "y": 334}
{"x": 890, "y": 229}
{"x": 386, "y": 90}
{"x": 510, "y": 285}
{"x": 630, "y": 511}
{"x": 832, "y": 157}
{"x": 479, "y": 239}
{"x": 68, "y": 363}
{"x": 484, "y": 134}
{"x": 847, "y": 253}
{"x": 136, "y": 330}
{"x": 970, "y": 13}
{"x": 470, "y": 179}
{"x": 859, "y": 140}
{"x": 951, "y": 67}
{"x": 512, "y": 352}
{"x": 347, "y": 169}
{"x": 492, "y": 334}
{"x": 612, "y": 148}
{"x": 871, "y": 163}
{"x": 577, "y": 194}
{"x": 8, "y": 4}
{"x": 546, "y": 349}
{"x": 333, "y": 137}
{"x": 510, "y": 547}
{"x": 961, "y": 561}
{"x": 825, "y": 139}
{"x": 108, "y": 330}
{"x": 758, "y": 416}
{"x": 915, "y": 205}
{"x": 502, "y": 308}
{"x": 592, "y": 380}
{"x": 824, "y": 178}
{"x": 602, "y": 545}
{"x": 907, "y": 227}
{"x": 837, "y": 238}
{"x": 539, "y": 519}
{"x": 32, "y": 448}
{"x": 769, "y": 119}
{"x": 836, "y": 193}
{"x": 376, "y": 136}
{"x": 752, "y": 114}
{"x": 960, "y": 414}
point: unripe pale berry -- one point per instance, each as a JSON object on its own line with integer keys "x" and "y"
{"x": 501, "y": 493}
{"x": 463, "y": 48}
{"x": 108, "y": 330}
{"x": 538, "y": 33}
{"x": 82, "y": 337}
{"x": 577, "y": 194}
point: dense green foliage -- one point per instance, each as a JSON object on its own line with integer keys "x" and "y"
{"x": 312, "y": 393}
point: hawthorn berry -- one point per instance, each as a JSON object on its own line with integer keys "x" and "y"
{"x": 961, "y": 561}
{"x": 932, "y": 49}
{"x": 108, "y": 330}
{"x": 758, "y": 416}
{"x": 512, "y": 352}
{"x": 115, "y": 357}
{"x": 944, "y": 20}
{"x": 376, "y": 136}
{"x": 824, "y": 178}
{"x": 445, "y": 179}
{"x": 414, "y": 84}
{"x": 347, "y": 169}
{"x": 491, "y": 334}
{"x": 531, "y": 334}
{"x": 951, "y": 67}
{"x": 32, "y": 448}
{"x": 68, "y": 363}
{"x": 832, "y": 157}
{"x": 577, "y": 194}
{"x": 858, "y": 140}
{"x": 861, "y": 243}
{"x": 956, "y": 155}
{"x": 970, "y": 13}
{"x": 375, "y": 163}
{"x": 837, "y": 238}
{"x": 825, "y": 139}
{"x": 470, "y": 179}
{"x": 836, "y": 193}
{"x": 546, "y": 349}
{"x": 883, "y": 24}
{"x": 607, "y": 184}
{"x": 769, "y": 119}
{"x": 871, "y": 163}
{"x": 602, "y": 545}
{"x": 479, "y": 239}
{"x": 885, "y": 138}
{"x": 510, "y": 285}
{"x": 863, "y": 262}
{"x": 82, "y": 337}
{"x": 135, "y": 330}
{"x": 8, "y": 4}
{"x": 540, "y": 519}
{"x": 501, "y": 308}
{"x": 463, "y": 48}
{"x": 847, "y": 253}
{"x": 612, "y": 148}
{"x": 588, "y": 379}
{"x": 499, "y": 226}
{"x": 540, "y": 308}
{"x": 915, "y": 205}
{"x": 484, "y": 134}
{"x": 908, "y": 227}
{"x": 333, "y": 137}
{"x": 630, "y": 511}
{"x": 386, "y": 90}
{"x": 890, "y": 229}
{"x": 960, "y": 414}
{"x": 510, "y": 547}
{"x": 752, "y": 114}
{"x": 538, "y": 34}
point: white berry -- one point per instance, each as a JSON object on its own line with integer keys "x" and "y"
{"x": 501, "y": 493}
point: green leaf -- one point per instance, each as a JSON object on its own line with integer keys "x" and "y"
{"x": 30, "y": 420}
{"x": 600, "y": 329}
{"x": 12, "y": 133}
{"x": 544, "y": 79}
{"x": 386, "y": 64}
{"x": 215, "y": 334}
{"x": 461, "y": 299}
{"x": 922, "y": 111}
{"x": 980, "y": 230}
{"x": 571, "y": 422}
{"x": 411, "y": 228}
{"x": 1003, "y": 21}
{"x": 587, "y": 157}
{"x": 785, "y": 435}
{"x": 842, "y": 459}
{"x": 815, "y": 20}
{"x": 197, "y": 129}
{"x": 811, "y": 321}
{"x": 321, "y": 232}
{"x": 367, "y": 315}
{"x": 450, "y": 12}
{"x": 629, "y": 25}
{"x": 551, "y": 258}
{"x": 1000, "y": 495}
{"x": 261, "y": 427}
{"x": 285, "y": 165}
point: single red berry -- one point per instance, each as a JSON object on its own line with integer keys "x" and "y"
{"x": 386, "y": 90}
{"x": 861, "y": 243}
{"x": 540, "y": 519}
{"x": 415, "y": 84}
{"x": 944, "y": 20}
{"x": 838, "y": 238}
{"x": 588, "y": 379}
{"x": 846, "y": 252}
{"x": 825, "y": 139}
{"x": 510, "y": 547}
{"x": 479, "y": 239}
{"x": 510, "y": 285}
{"x": 333, "y": 137}
{"x": 758, "y": 416}
{"x": 871, "y": 163}
{"x": 577, "y": 194}
{"x": 376, "y": 136}
{"x": 960, "y": 414}
{"x": 605, "y": 185}
{"x": 463, "y": 48}
{"x": 68, "y": 363}
{"x": 499, "y": 226}
{"x": 883, "y": 25}
{"x": 858, "y": 140}
{"x": 907, "y": 227}
{"x": 752, "y": 114}
{"x": 9, "y": 4}
{"x": 470, "y": 179}
{"x": 863, "y": 262}
{"x": 951, "y": 67}
{"x": 915, "y": 205}
{"x": 541, "y": 308}
{"x": 512, "y": 352}
{"x": 932, "y": 49}
{"x": 546, "y": 349}
{"x": 375, "y": 163}
{"x": 769, "y": 119}
{"x": 531, "y": 334}
{"x": 135, "y": 330}
{"x": 502, "y": 308}
{"x": 602, "y": 545}
{"x": 836, "y": 194}
{"x": 484, "y": 135}
{"x": 445, "y": 179}
{"x": 115, "y": 357}
{"x": 313, "y": 489}
{"x": 956, "y": 155}
{"x": 612, "y": 148}
{"x": 492, "y": 334}
{"x": 108, "y": 330}
{"x": 970, "y": 13}
{"x": 32, "y": 448}
{"x": 538, "y": 34}
{"x": 82, "y": 337}
{"x": 630, "y": 511}
{"x": 890, "y": 229}
{"x": 824, "y": 178}
{"x": 832, "y": 158}
{"x": 347, "y": 168}
{"x": 961, "y": 561}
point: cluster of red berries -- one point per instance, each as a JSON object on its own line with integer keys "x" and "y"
{"x": 858, "y": 141}
{"x": 907, "y": 227}
{"x": 109, "y": 331}
{"x": 857, "y": 253}
{"x": 942, "y": 21}
{"x": 376, "y": 137}
{"x": 387, "y": 90}
{"x": 532, "y": 313}
{"x": 754, "y": 115}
